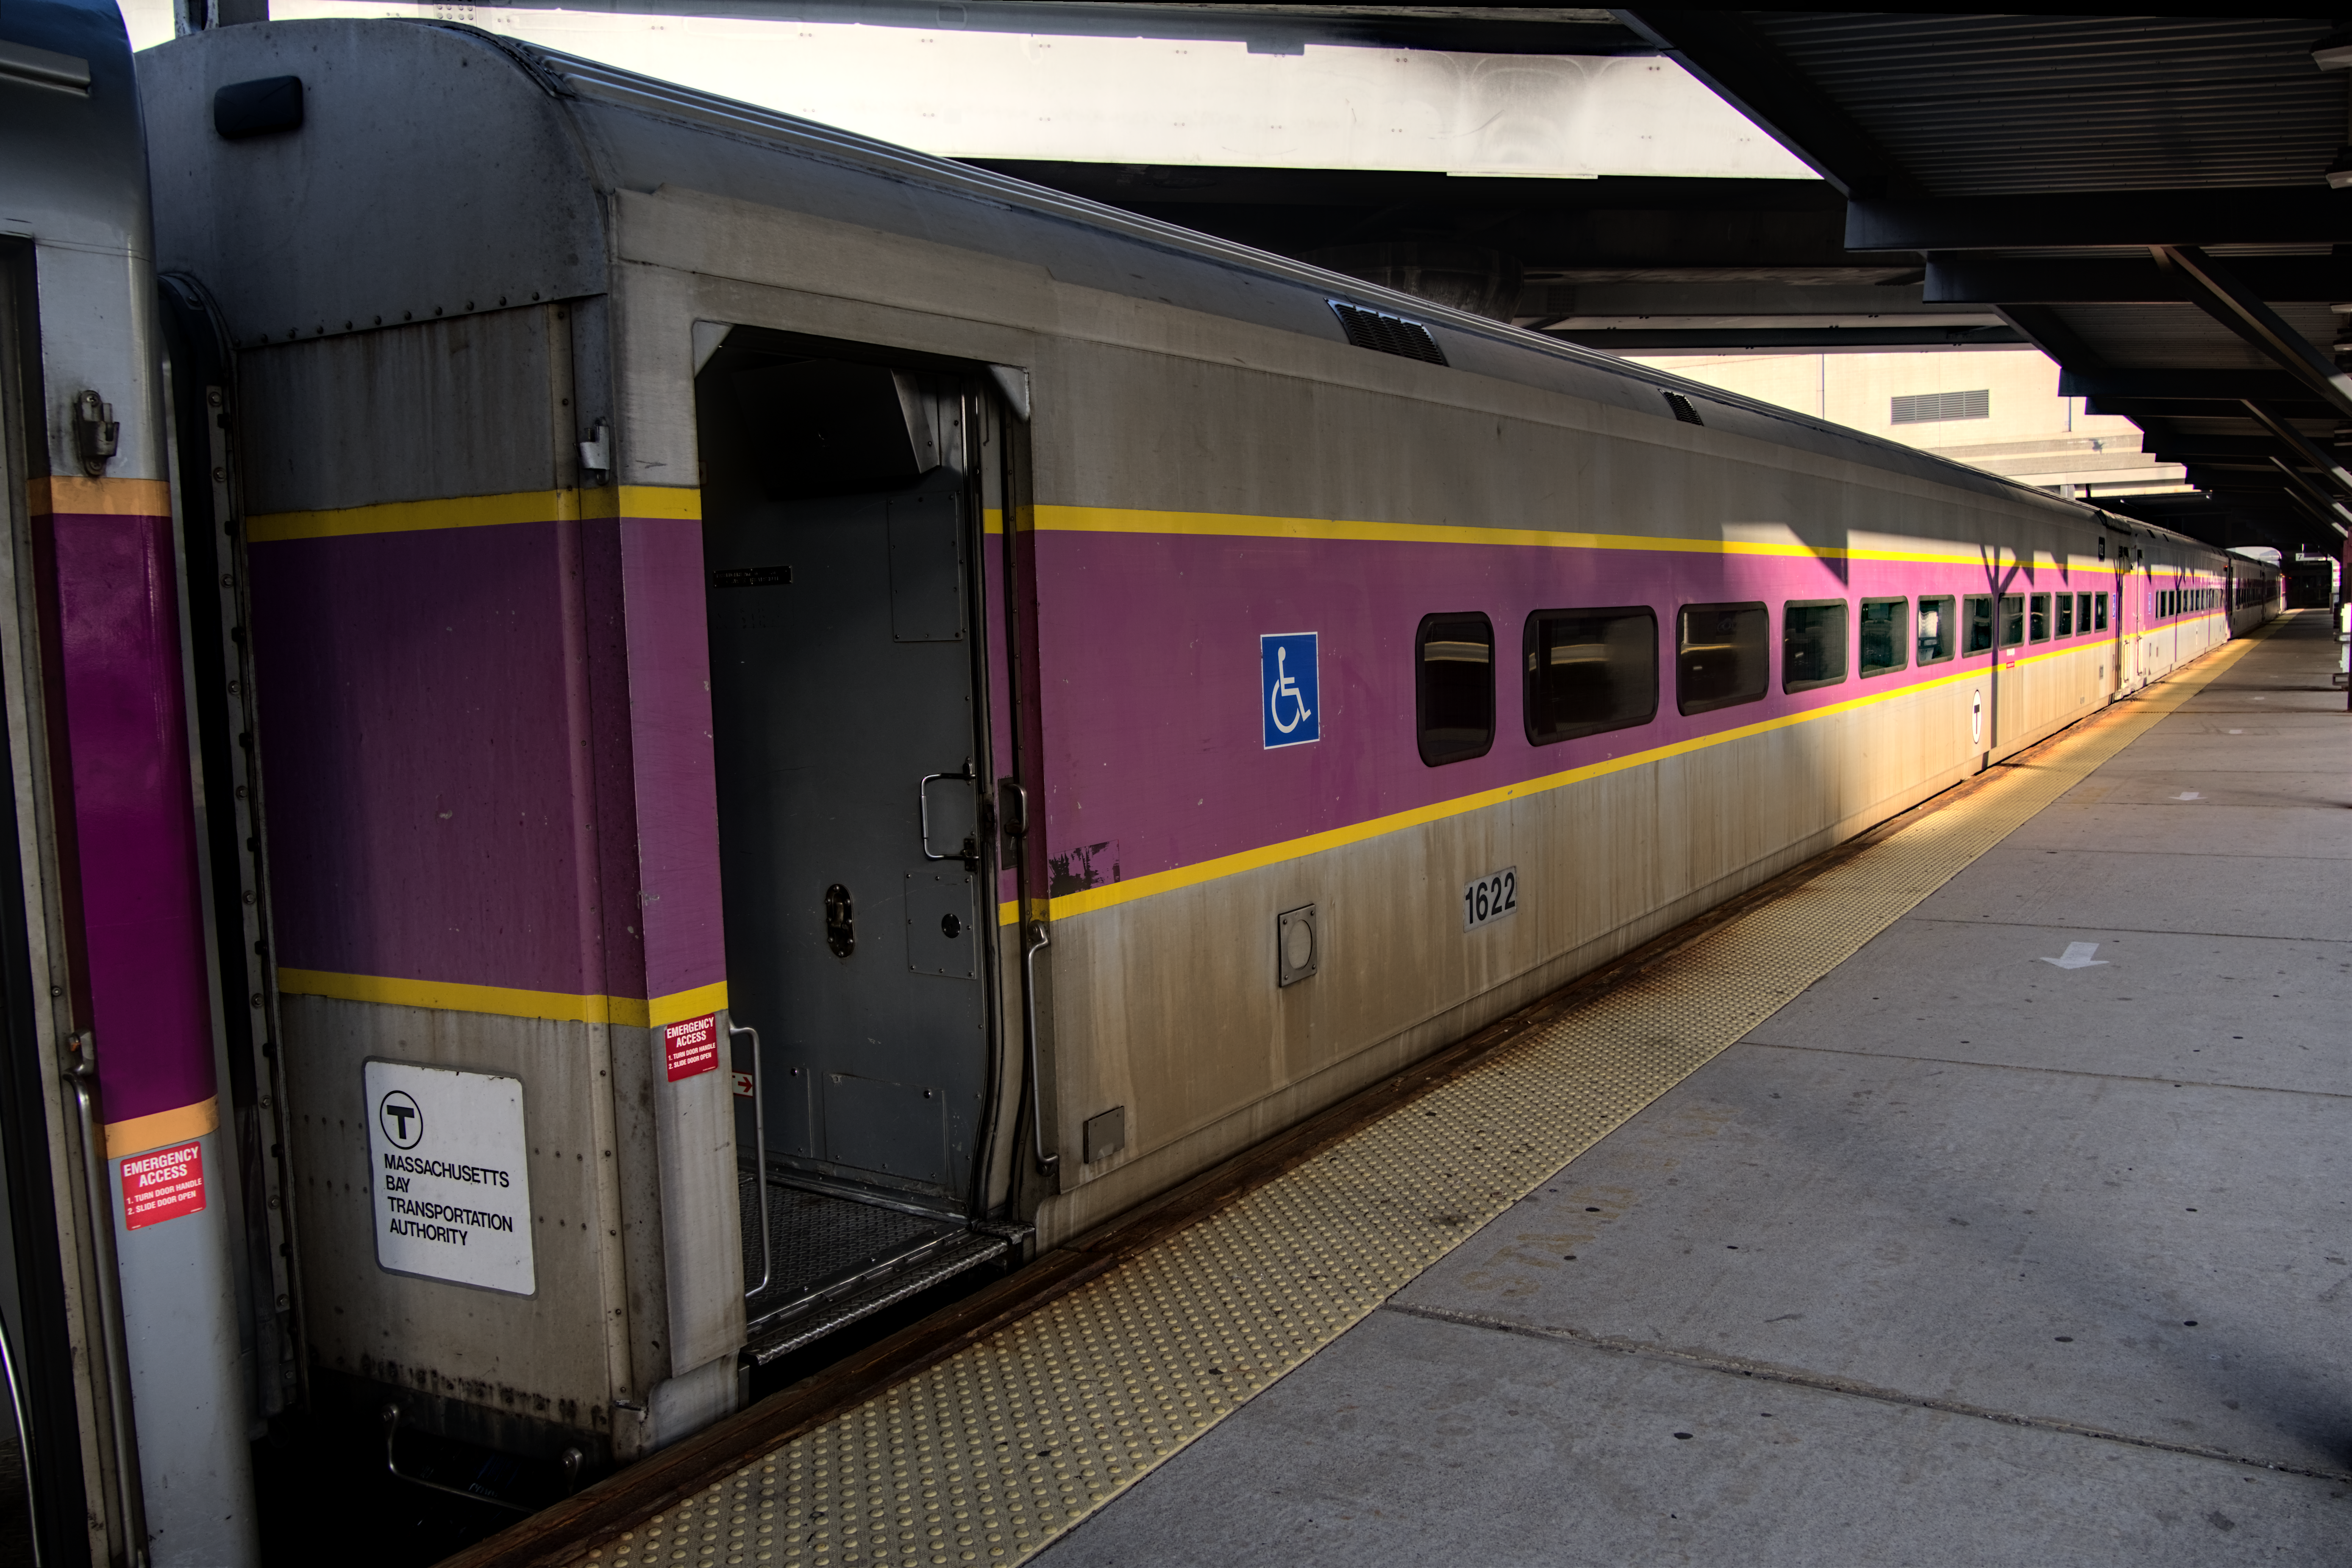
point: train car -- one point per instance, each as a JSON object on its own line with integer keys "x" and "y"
{"x": 130, "y": 1324}
{"x": 826, "y": 718}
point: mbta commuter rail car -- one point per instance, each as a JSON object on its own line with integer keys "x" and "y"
{"x": 775, "y": 719}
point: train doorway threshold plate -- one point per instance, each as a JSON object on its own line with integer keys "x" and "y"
{"x": 836, "y": 1260}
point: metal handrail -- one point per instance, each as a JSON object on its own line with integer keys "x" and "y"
{"x": 1038, "y": 941}
{"x": 83, "y": 1076}
{"x": 923, "y": 810}
{"x": 572, "y": 1458}
{"x": 24, "y": 1440}
{"x": 759, "y": 1147}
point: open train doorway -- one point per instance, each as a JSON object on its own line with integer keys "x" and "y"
{"x": 842, "y": 508}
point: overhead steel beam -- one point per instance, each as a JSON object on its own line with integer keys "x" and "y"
{"x": 1746, "y": 70}
{"x": 1265, "y": 29}
{"x": 2186, "y": 385}
{"x": 1783, "y": 340}
{"x": 2324, "y": 461}
{"x": 1971, "y": 280}
{"x": 2190, "y": 446}
{"x": 2325, "y": 514}
{"x": 2335, "y": 511}
{"x": 2227, "y": 300}
{"x": 2058, "y": 340}
{"x": 2030, "y": 220}
{"x": 2143, "y": 409}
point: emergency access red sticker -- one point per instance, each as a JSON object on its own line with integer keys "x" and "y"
{"x": 163, "y": 1185}
{"x": 692, "y": 1047}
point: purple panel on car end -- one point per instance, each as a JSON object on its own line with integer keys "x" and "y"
{"x": 677, "y": 780}
{"x": 134, "y": 816}
{"x": 412, "y": 709}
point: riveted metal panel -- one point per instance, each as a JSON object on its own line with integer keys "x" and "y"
{"x": 463, "y": 172}
{"x": 533, "y": 1360}
{"x": 445, "y": 408}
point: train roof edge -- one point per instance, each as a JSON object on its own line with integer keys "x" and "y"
{"x": 242, "y": 215}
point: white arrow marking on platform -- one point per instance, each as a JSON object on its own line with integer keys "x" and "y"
{"x": 2077, "y": 956}
{"x": 2188, "y": 794}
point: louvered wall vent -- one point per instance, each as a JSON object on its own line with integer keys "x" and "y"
{"x": 1389, "y": 334}
{"x": 1683, "y": 409}
{"x": 1934, "y": 408}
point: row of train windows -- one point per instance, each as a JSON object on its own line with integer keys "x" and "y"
{"x": 2186, "y": 601}
{"x": 1589, "y": 671}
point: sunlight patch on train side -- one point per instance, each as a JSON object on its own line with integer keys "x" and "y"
{"x": 993, "y": 1453}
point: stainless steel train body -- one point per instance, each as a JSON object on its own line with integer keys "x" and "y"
{"x": 713, "y": 574}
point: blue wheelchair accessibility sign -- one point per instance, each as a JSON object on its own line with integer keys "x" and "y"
{"x": 1289, "y": 701}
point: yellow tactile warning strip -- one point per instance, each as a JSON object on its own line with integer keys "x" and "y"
{"x": 990, "y": 1455}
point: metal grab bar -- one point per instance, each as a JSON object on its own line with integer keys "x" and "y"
{"x": 83, "y": 1075}
{"x": 1038, "y": 941}
{"x": 923, "y": 808}
{"x": 24, "y": 1430}
{"x": 759, "y": 1146}
{"x": 571, "y": 1461}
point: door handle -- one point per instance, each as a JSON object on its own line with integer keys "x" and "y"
{"x": 970, "y": 853}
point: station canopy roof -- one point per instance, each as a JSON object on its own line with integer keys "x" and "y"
{"x": 2148, "y": 198}
{"x": 2151, "y": 199}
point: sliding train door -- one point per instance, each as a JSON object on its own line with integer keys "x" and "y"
{"x": 840, "y": 540}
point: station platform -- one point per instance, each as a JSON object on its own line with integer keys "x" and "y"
{"x": 1982, "y": 1191}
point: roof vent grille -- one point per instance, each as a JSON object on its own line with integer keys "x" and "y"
{"x": 1683, "y": 409}
{"x": 1934, "y": 408}
{"x": 1388, "y": 334}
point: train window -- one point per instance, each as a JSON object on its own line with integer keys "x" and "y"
{"x": 1938, "y": 634}
{"x": 1720, "y": 656}
{"x": 1453, "y": 687}
{"x": 1590, "y": 671}
{"x": 1979, "y": 623}
{"x": 2038, "y": 617}
{"x": 2099, "y": 614}
{"x": 1885, "y": 632}
{"x": 2066, "y": 608}
{"x": 1813, "y": 644}
{"x": 2012, "y": 619}
{"x": 2082, "y": 613}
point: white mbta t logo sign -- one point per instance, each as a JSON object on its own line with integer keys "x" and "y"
{"x": 401, "y": 1120}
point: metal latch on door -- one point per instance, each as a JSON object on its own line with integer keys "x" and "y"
{"x": 970, "y": 853}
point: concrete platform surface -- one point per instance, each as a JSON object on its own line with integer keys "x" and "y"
{"x": 1420, "y": 1442}
{"x": 2026, "y": 1263}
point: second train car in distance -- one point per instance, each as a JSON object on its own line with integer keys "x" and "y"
{"x": 827, "y": 717}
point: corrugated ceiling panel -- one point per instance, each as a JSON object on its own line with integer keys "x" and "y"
{"x": 2182, "y": 337}
{"x": 1988, "y": 104}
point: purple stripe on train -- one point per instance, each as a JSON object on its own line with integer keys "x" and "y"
{"x": 133, "y": 810}
{"x": 1149, "y": 648}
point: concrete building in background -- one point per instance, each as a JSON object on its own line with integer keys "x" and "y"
{"x": 1997, "y": 410}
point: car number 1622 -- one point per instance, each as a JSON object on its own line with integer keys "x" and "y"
{"x": 1490, "y": 898}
